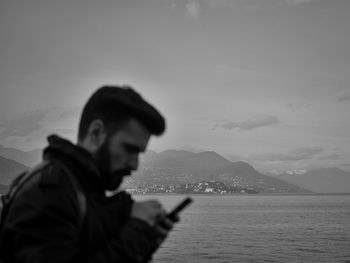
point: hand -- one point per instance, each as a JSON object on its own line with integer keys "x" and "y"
{"x": 150, "y": 211}
{"x": 164, "y": 226}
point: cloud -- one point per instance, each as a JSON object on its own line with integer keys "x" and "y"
{"x": 344, "y": 96}
{"x": 307, "y": 151}
{"x": 71, "y": 113}
{"x": 333, "y": 156}
{"x": 304, "y": 153}
{"x": 297, "y": 106}
{"x": 296, "y": 2}
{"x": 193, "y": 9}
{"x": 24, "y": 125}
{"x": 32, "y": 128}
{"x": 252, "y": 123}
{"x": 220, "y": 3}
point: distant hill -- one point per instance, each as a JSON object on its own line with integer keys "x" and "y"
{"x": 195, "y": 162}
{"x": 149, "y": 155}
{"x": 29, "y": 158}
{"x": 178, "y": 167}
{"x": 9, "y": 169}
{"x": 3, "y": 189}
{"x": 324, "y": 180}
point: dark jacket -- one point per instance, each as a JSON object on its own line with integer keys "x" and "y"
{"x": 43, "y": 223}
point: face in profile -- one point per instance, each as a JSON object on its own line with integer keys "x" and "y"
{"x": 118, "y": 156}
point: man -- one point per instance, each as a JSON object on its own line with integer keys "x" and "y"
{"x": 60, "y": 213}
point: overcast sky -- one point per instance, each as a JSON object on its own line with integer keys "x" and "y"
{"x": 264, "y": 81}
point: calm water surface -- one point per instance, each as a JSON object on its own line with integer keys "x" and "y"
{"x": 258, "y": 228}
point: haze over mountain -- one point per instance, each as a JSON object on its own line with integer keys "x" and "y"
{"x": 28, "y": 158}
{"x": 13, "y": 162}
{"x": 324, "y": 180}
{"x": 8, "y": 170}
{"x": 181, "y": 167}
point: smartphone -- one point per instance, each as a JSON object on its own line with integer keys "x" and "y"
{"x": 179, "y": 208}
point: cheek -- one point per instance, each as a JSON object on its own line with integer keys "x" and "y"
{"x": 118, "y": 160}
{"x": 118, "y": 155}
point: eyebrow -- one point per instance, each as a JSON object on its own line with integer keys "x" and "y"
{"x": 133, "y": 147}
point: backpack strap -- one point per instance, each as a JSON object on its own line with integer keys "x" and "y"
{"x": 22, "y": 178}
{"x": 15, "y": 186}
{"x": 20, "y": 181}
{"x": 78, "y": 190}
{"x": 25, "y": 176}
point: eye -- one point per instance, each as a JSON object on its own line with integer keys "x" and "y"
{"x": 131, "y": 148}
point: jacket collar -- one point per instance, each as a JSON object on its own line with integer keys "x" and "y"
{"x": 77, "y": 158}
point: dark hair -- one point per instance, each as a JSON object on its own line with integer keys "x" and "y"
{"x": 114, "y": 105}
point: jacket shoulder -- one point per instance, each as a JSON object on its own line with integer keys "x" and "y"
{"x": 50, "y": 175}
{"x": 47, "y": 174}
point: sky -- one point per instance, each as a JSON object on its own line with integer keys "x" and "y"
{"x": 261, "y": 81}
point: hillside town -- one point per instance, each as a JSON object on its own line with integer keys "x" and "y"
{"x": 206, "y": 187}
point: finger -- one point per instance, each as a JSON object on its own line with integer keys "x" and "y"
{"x": 167, "y": 223}
{"x": 159, "y": 240}
{"x": 157, "y": 215}
{"x": 155, "y": 204}
{"x": 162, "y": 232}
{"x": 161, "y": 215}
{"x": 175, "y": 219}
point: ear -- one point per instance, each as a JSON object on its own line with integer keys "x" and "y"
{"x": 96, "y": 134}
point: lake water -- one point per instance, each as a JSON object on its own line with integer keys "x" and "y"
{"x": 258, "y": 228}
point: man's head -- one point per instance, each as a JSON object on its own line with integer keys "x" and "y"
{"x": 115, "y": 127}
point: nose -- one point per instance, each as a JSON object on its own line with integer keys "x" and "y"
{"x": 134, "y": 162}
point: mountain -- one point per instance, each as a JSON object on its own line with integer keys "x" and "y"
{"x": 3, "y": 189}
{"x": 29, "y": 158}
{"x": 8, "y": 170}
{"x": 324, "y": 180}
{"x": 199, "y": 162}
{"x": 173, "y": 167}
{"x": 190, "y": 148}
{"x": 149, "y": 155}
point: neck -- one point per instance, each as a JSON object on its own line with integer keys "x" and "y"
{"x": 86, "y": 146}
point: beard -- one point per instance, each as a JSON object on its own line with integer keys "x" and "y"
{"x": 110, "y": 180}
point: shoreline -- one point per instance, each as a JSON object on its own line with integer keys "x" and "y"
{"x": 262, "y": 194}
